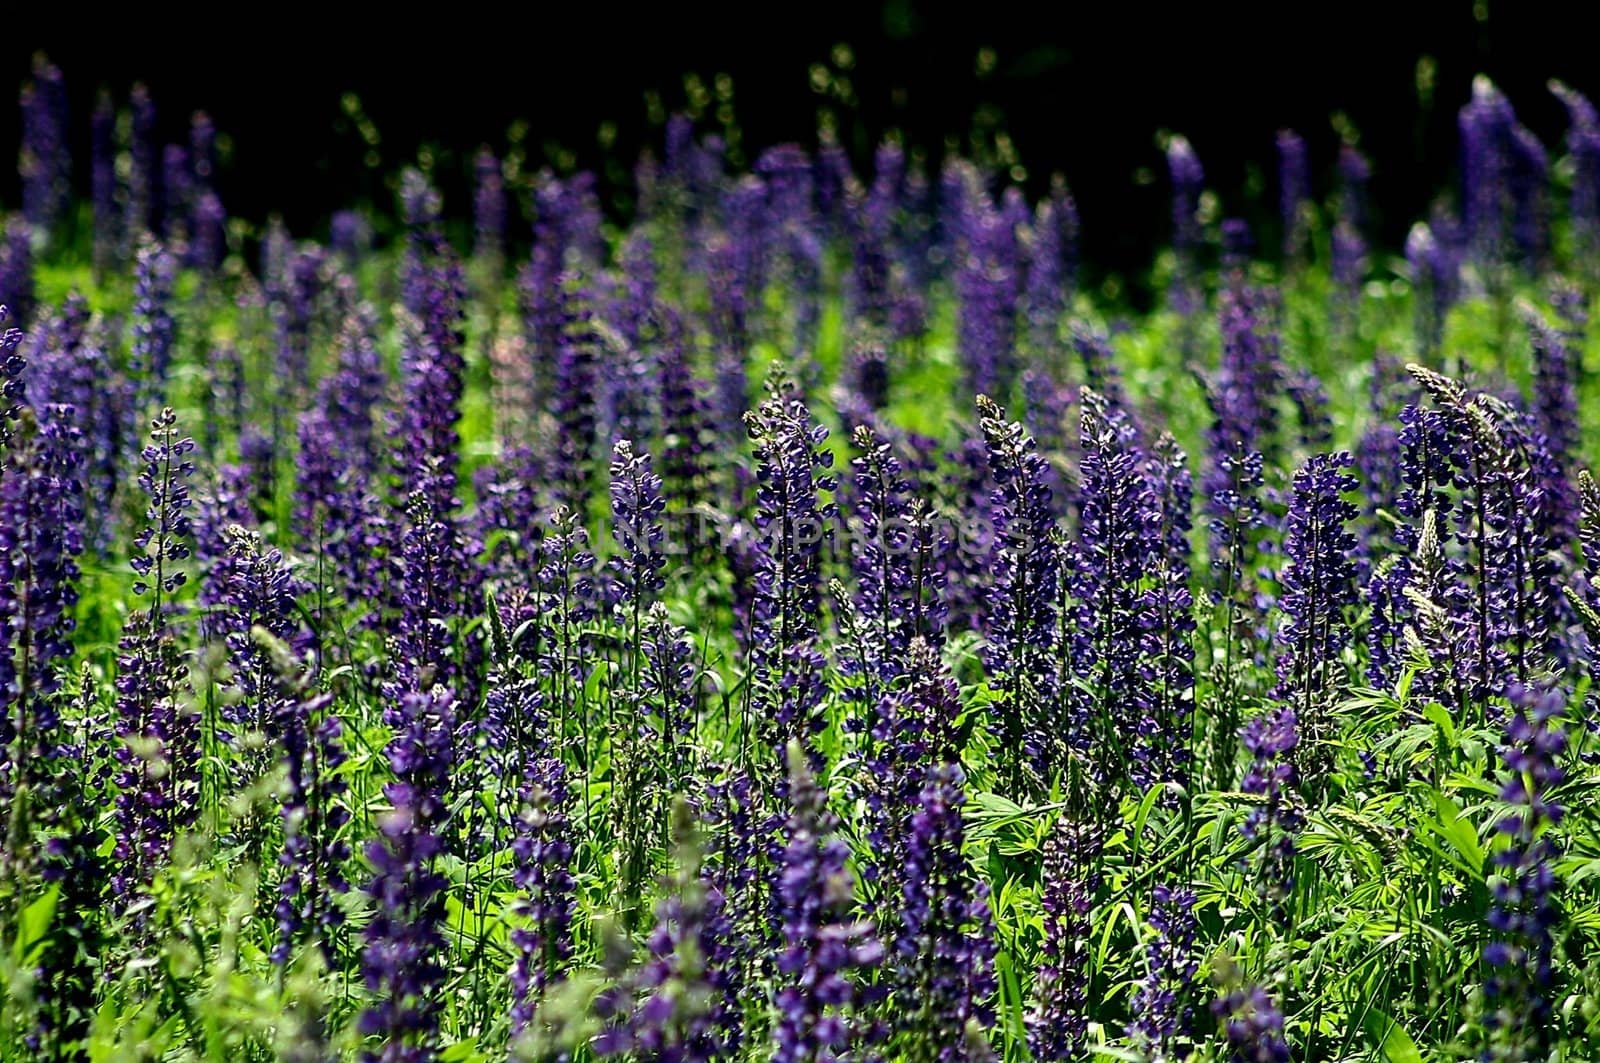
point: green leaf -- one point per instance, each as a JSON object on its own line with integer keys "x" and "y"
{"x": 34, "y": 923}
{"x": 1459, "y": 833}
{"x": 1390, "y": 1038}
{"x": 1439, "y": 716}
{"x": 462, "y": 1052}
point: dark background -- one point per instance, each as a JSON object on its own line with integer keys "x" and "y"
{"x": 1080, "y": 89}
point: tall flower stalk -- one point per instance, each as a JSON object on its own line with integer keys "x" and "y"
{"x": 158, "y": 781}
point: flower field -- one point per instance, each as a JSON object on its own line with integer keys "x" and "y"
{"x": 795, "y": 617}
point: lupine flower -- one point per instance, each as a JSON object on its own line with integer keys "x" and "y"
{"x": 1271, "y": 739}
{"x": 685, "y": 426}
{"x": 1555, "y": 382}
{"x": 1294, "y": 193}
{"x": 403, "y": 961}
{"x": 1250, "y": 374}
{"x": 1099, "y": 362}
{"x": 1116, "y": 640}
{"x": 1583, "y": 148}
{"x": 792, "y": 522}
{"x": 1161, "y": 1004}
{"x": 153, "y": 329}
{"x": 788, "y": 176}
{"x": 1172, "y": 603}
{"x": 261, "y": 592}
{"x": 1522, "y": 914}
{"x": 11, "y": 366}
{"x": 177, "y": 195}
{"x": 158, "y": 780}
{"x": 225, "y": 505}
{"x": 103, "y": 182}
{"x": 431, "y": 595}
{"x": 576, "y": 376}
{"x": 489, "y": 207}
{"x": 898, "y": 588}
{"x": 1058, "y": 1018}
{"x": 542, "y": 850}
{"x": 1504, "y": 522}
{"x": 729, "y": 283}
{"x": 314, "y": 853}
{"x": 944, "y": 951}
{"x": 1528, "y": 181}
{"x": 41, "y": 536}
{"x": 987, "y": 284}
{"x": 44, "y": 162}
{"x": 1048, "y": 414}
{"x": 912, "y": 727}
{"x": 292, "y": 300}
{"x": 636, "y": 508}
{"x": 1434, "y": 269}
{"x": 1254, "y": 1026}
{"x": 680, "y": 1001}
{"x": 1319, "y": 580}
{"x": 1026, "y": 569}
{"x": 1485, "y": 125}
{"x": 824, "y": 948}
{"x": 1188, "y": 179}
{"x": 16, "y": 267}
{"x": 1046, "y": 285}
{"x": 144, "y": 195}
{"x": 871, "y": 223}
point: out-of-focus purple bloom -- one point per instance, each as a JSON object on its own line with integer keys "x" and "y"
{"x": 677, "y": 1005}
{"x": 403, "y": 962}
{"x": 1254, "y": 1026}
{"x": 824, "y": 948}
{"x": 314, "y": 852}
{"x": 350, "y": 234}
{"x": 1294, "y": 193}
{"x": 489, "y": 207}
{"x": 1583, "y": 148}
{"x": 1523, "y": 911}
{"x": 1058, "y": 1019}
{"x": 144, "y": 193}
{"x": 944, "y": 951}
{"x": 103, "y": 182}
{"x": 1434, "y": 273}
{"x": 16, "y": 267}
{"x": 574, "y": 403}
{"x": 1188, "y": 180}
{"x": 154, "y": 331}
{"x": 44, "y": 162}
{"x": 1172, "y": 603}
{"x": 987, "y": 280}
{"x": 1250, "y": 374}
{"x": 542, "y": 851}
{"x": 1048, "y": 284}
{"x": 432, "y": 595}
{"x": 1555, "y": 394}
{"x": 177, "y": 192}
{"x": 1100, "y": 368}
{"x": 1271, "y": 739}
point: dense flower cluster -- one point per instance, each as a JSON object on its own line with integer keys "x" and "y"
{"x": 495, "y": 597}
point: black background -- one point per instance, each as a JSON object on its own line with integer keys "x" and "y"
{"x": 1081, "y": 89}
